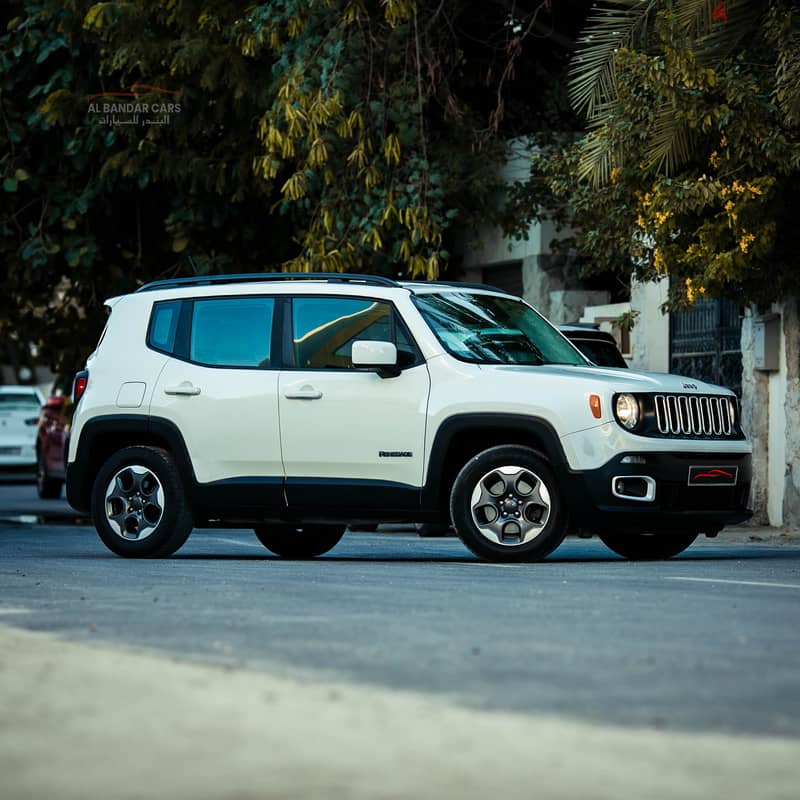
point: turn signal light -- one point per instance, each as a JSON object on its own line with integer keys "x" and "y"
{"x": 594, "y": 406}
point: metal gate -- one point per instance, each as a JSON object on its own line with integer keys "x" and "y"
{"x": 705, "y": 343}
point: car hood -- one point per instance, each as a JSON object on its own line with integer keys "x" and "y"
{"x": 613, "y": 379}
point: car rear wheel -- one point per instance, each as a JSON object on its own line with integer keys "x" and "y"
{"x": 299, "y": 541}
{"x": 506, "y": 505}
{"x": 48, "y": 488}
{"x": 647, "y": 546}
{"x": 139, "y": 507}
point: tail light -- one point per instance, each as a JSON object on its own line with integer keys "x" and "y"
{"x": 79, "y": 385}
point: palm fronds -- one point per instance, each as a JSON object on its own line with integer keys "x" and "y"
{"x": 618, "y": 24}
{"x": 713, "y": 28}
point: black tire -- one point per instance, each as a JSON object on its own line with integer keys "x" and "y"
{"x": 530, "y": 499}
{"x": 47, "y": 487}
{"x": 157, "y": 519}
{"x": 299, "y": 541}
{"x": 647, "y": 546}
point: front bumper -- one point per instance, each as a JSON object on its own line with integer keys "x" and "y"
{"x": 676, "y": 504}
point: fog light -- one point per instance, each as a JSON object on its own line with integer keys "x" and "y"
{"x": 634, "y": 487}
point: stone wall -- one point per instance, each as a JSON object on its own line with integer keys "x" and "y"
{"x": 771, "y": 418}
{"x": 791, "y": 332}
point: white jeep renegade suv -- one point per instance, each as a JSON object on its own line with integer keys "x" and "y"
{"x": 294, "y": 404}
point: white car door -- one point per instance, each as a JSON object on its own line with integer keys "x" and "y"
{"x": 222, "y": 393}
{"x": 350, "y": 437}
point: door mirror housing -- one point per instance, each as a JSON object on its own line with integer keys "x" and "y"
{"x": 380, "y": 356}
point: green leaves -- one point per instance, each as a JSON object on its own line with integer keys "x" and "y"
{"x": 691, "y": 166}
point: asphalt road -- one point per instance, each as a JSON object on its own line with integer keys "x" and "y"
{"x": 709, "y": 641}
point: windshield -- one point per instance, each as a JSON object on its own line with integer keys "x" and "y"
{"x": 487, "y": 329}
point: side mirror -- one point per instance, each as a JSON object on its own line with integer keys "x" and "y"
{"x": 381, "y": 356}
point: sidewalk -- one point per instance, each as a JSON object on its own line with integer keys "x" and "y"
{"x": 89, "y": 721}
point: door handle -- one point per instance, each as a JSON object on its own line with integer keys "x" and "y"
{"x": 185, "y": 388}
{"x": 306, "y": 392}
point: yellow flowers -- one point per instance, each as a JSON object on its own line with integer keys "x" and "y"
{"x": 373, "y": 237}
{"x": 615, "y": 173}
{"x": 661, "y": 217}
{"x": 318, "y": 154}
{"x": 399, "y": 11}
{"x": 295, "y": 187}
{"x": 354, "y": 12}
{"x": 391, "y": 149}
{"x": 295, "y": 27}
{"x": 658, "y": 262}
{"x": 745, "y": 242}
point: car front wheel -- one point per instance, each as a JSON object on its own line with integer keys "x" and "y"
{"x": 299, "y": 541}
{"x": 647, "y": 546}
{"x": 506, "y": 505}
{"x": 139, "y": 507}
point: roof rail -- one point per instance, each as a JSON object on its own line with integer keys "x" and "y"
{"x": 257, "y": 277}
{"x": 458, "y": 285}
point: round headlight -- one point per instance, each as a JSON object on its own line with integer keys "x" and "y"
{"x": 627, "y": 411}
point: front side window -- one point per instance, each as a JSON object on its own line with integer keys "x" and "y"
{"x": 232, "y": 332}
{"x": 324, "y": 329}
{"x": 487, "y": 329}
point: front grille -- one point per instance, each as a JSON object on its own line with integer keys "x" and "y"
{"x": 703, "y": 416}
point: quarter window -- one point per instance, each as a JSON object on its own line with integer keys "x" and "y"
{"x": 163, "y": 325}
{"x": 232, "y": 332}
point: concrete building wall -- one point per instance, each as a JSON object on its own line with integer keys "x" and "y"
{"x": 771, "y": 418}
{"x": 791, "y": 331}
{"x": 650, "y": 334}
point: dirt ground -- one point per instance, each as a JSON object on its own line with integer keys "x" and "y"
{"x": 86, "y": 721}
{"x": 760, "y": 533}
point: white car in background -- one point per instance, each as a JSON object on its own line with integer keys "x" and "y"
{"x": 19, "y": 414}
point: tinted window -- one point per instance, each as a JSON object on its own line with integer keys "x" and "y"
{"x": 324, "y": 329}
{"x": 163, "y": 325}
{"x": 488, "y": 329}
{"x": 232, "y": 331}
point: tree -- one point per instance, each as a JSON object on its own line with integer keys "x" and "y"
{"x": 311, "y": 135}
{"x": 689, "y": 165}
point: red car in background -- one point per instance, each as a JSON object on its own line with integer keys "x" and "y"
{"x": 52, "y": 437}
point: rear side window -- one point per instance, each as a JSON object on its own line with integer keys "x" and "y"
{"x": 163, "y": 325}
{"x": 232, "y": 332}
